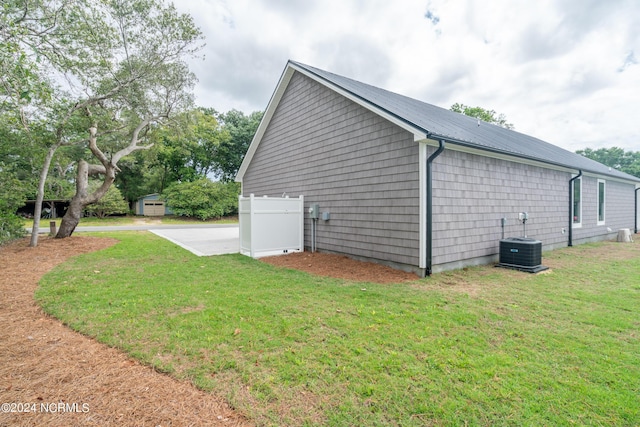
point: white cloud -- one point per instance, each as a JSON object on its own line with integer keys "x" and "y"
{"x": 565, "y": 71}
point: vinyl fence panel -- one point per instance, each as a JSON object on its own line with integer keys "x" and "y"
{"x": 270, "y": 224}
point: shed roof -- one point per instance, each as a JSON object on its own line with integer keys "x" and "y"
{"x": 436, "y": 123}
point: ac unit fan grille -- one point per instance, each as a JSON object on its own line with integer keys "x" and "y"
{"x": 521, "y": 253}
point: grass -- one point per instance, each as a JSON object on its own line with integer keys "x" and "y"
{"x": 134, "y": 220}
{"x": 482, "y": 346}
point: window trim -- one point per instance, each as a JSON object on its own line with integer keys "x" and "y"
{"x": 578, "y": 224}
{"x": 604, "y": 202}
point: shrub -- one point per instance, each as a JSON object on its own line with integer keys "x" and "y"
{"x": 11, "y": 198}
{"x": 111, "y": 203}
{"x": 203, "y": 198}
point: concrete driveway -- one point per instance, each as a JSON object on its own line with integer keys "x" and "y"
{"x": 200, "y": 239}
{"x": 204, "y": 241}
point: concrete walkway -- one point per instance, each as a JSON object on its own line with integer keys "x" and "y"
{"x": 200, "y": 239}
{"x": 204, "y": 241}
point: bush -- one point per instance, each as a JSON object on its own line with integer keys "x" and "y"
{"x": 110, "y": 204}
{"x": 11, "y": 198}
{"x": 203, "y": 199}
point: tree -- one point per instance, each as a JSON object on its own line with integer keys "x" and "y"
{"x": 123, "y": 62}
{"x": 187, "y": 150}
{"x": 617, "y": 158}
{"x": 203, "y": 198}
{"x": 489, "y": 116}
{"x": 231, "y": 151}
{"x": 14, "y": 166}
{"x": 24, "y": 27}
{"x": 11, "y": 198}
{"x": 139, "y": 175}
{"x": 36, "y": 38}
{"x": 111, "y": 203}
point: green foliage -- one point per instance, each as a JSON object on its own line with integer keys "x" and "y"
{"x": 231, "y": 151}
{"x": 21, "y": 80}
{"x": 479, "y": 347}
{"x": 11, "y": 198}
{"x": 111, "y": 203}
{"x": 617, "y": 158}
{"x": 203, "y": 198}
{"x": 187, "y": 150}
{"x": 489, "y": 116}
{"x": 139, "y": 175}
{"x": 15, "y": 168}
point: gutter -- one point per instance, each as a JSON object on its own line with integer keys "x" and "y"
{"x": 570, "y": 243}
{"x": 636, "y": 211}
{"x": 430, "y": 208}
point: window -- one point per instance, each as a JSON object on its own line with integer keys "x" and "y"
{"x": 577, "y": 203}
{"x": 601, "y": 201}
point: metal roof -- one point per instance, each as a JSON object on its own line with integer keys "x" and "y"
{"x": 439, "y": 123}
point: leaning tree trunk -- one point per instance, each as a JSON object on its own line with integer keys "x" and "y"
{"x": 82, "y": 199}
{"x": 71, "y": 218}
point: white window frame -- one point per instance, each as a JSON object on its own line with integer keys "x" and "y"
{"x": 604, "y": 202}
{"x": 573, "y": 215}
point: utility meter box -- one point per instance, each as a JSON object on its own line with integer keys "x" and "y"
{"x": 314, "y": 211}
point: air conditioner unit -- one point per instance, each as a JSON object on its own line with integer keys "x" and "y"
{"x": 521, "y": 253}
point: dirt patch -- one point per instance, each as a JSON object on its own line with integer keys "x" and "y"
{"x": 340, "y": 267}
{"x": 147, "y": 220}
{"x": 57, "y": 377}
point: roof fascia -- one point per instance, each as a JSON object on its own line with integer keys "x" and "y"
{"x": 498, "y": 155}
{"x": 283, "y": 83}
{"x": 456, "y": 146}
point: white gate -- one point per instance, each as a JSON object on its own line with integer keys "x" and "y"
{"x": 270, "y": 224}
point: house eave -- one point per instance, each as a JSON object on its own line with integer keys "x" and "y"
{"x": 467, "y": 147}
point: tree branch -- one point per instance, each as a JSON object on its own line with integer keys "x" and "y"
{"x": 94, "y": 170}
{"x": 133, "y": 144}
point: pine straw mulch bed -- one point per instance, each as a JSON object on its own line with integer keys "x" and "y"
{"x": 43, "y": 363}
{"x": 340, "y": 267}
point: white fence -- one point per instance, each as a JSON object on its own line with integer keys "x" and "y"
{"x": 270, "y": 224}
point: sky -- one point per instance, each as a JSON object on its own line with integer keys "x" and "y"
{"x": 565, "y": 71}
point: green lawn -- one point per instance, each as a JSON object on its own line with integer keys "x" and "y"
{"x": 482, "y": 346}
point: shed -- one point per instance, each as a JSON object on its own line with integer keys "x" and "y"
{"x": 418, "y": 187}
{"x": 152, "y": 205}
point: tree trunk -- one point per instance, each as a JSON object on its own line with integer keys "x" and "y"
{"x": 81, "y": 199}
{"x": 71, "y": 218}
{"x": 40, "y": 196}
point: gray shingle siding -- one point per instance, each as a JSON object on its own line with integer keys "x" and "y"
{"x": 356, "y": 165}
{"x": 471, "y": 194}
{"x": 619, "y": 209}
